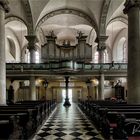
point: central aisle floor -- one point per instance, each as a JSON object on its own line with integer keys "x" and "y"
{"x": 67, "y": 123}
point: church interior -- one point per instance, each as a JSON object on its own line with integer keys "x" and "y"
{"x": 70, "y": 69}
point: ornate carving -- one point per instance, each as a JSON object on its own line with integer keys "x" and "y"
{"x": 4, "y": 4}
{"x": 51, "y": 34}
{"x": 29, "y": 16}
{"x": 102, "y": 43}
{"x": 66, "y": 45}
{"x": 31, "y": 41}
{"x": 103, "y": 17}
{"x": 129, "y": 4}
{"x": 66, "y": 51}
{"x": 81, "y": 36}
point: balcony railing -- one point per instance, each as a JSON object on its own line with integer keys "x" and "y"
{"x": 66, "y": 65}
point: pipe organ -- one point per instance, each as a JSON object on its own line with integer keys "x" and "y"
{"x": 51, "y": 51}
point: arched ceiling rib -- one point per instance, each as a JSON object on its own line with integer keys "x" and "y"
{"x": 103, "y": 17}
{"x": 115, "y": 5}
{"x": 80, "y": 15}
{"x": 16, "y": 10}
{"x": 66, "y": 27}
{"x": 77, "y": 5}
{"x": 36, "y": 7}
{"x": 88, "y": 13}
{"x": 29, "y": 16}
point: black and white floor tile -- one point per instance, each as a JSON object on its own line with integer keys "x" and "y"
{"x": 67, "y": 123}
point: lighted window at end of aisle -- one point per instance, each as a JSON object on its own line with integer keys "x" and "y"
{"x": 69, "y": 94}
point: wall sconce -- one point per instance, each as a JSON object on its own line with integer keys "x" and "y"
{"x": 95, "y": 82}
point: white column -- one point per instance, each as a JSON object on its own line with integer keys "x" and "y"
{"x": 33, "y": 95}
{"x": 132, "y": 9}
{"x": 31, "y": 46}
{"x": 101, "y": 49}
{"x": 3, "y": 9}
{"x": 89, "y": 84}
{"x": 101, "y": 87}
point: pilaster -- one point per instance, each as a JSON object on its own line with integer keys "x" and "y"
{"x": 33, "y": 95}
{"x": 3, "y": 8}
{"x": 101, "y": 47}
{"x": 31, "y": 46}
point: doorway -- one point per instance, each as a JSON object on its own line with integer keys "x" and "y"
{"x": 64, "y": 95}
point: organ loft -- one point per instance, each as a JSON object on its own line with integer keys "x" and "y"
{"x": 51, "y": 51}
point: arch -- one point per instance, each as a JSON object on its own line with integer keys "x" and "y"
{"x": 11, "y": 40}
{"x": 16, "y": 29}
{"x": 68, "y": 11}
{"x": 121, "y": 19}
{"x": 29, "y": 16}
{"x": 104, "y": 13}
{"x": 121, "y": 50}
{"x": 15, "y": 18}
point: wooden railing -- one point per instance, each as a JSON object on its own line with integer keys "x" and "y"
{"x": 67, "y": 65}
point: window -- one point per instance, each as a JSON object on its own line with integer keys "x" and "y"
{"x": 69, "y": 94}
{"x": 96, "y": 57}
{"x": 27, "y": 56}
{"x": 106, "y": 56}
{"x": 37, "y": 57}
{"x": 122, "y": 51}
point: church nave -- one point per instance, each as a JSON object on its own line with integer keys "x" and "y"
{"x": 68, "y": 123}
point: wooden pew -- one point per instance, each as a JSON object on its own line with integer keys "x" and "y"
{"x": 105, "y": 116}
{"x": 27, "y": 115}
{"x": 10, "y": 128}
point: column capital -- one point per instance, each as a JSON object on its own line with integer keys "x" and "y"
{"x": 102, "y": 43}
{"x": 32, "y": 39}
{"x": 129, "y": 4}
{"x": 4, "y": 4}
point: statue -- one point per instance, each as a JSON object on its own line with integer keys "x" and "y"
{"x": 80, "y": 34}
{"x": 66, "y": 44}
{"x": 10, "y": 95}
{"x": 51, "y": 33}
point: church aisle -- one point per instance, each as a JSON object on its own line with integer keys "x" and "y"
{"x": 67, "y": 123}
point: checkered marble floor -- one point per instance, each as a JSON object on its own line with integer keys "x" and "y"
{"x": 67, "y": 123}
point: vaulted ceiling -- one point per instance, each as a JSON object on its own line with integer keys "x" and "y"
{"x": 65, "y": 18}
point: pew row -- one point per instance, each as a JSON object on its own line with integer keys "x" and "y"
{"x": 22, "y": 119}
{"x": 119, "y": 121}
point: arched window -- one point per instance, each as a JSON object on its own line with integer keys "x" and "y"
{"x": 106, "y": 58}
{"x": 96, "y": 57}
{"x": 37, "y": 57}
{"x": 122, "y": 51}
